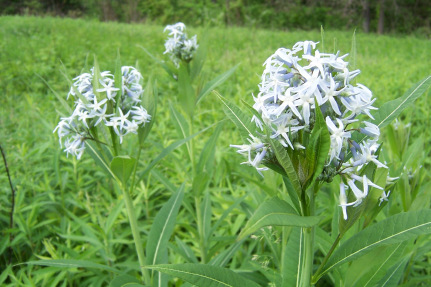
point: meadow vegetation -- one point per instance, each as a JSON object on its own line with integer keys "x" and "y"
{"x": 69, "y": 209}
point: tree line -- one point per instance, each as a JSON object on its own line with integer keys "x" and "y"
{"x": 380, "y": 16}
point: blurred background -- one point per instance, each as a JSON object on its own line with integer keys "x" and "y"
{"x": 379, "y": 16}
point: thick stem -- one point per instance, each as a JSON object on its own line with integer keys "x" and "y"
{"x": 308, "y": 240}
{"x": 135, "y": 231}
{"x": 307, "y": 266}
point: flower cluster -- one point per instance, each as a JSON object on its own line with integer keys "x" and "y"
{"x": 178, "y": 46}
{"x": 97, "y": 105}
{"x": 293, "y": 82}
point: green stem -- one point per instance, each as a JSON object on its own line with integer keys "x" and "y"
{"x": 317, "y": 275}
{"x": 191, "y": 151}
{"x": 307, "y": 265}
{"x": 135, "y": 232}
{"x": 132, "y": 186}
{"x": 308, "y": 240}
{"x": 200, "y": 223}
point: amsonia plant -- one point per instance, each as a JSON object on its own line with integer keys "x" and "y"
{"x": 311, "y": 123}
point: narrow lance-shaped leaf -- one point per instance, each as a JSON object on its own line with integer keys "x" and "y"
{"x": 392, "y": 109}
{"x": 206, "y": 157}
{"x": 215, "y": 83}
{"x": 182, "y": 128}
{"x": 393, "y": 275}
{"x": 161, "y": 63}
{"x": 292, "y": 259}
{"x": 394, "y": 229}
{"x": 284, "y": 160}
{"x": 60, "y": 99}
{"x": 292, "y": 194}
{"x": 389, "y": 111}
{"x": 168, "y": 150}
{"x": 99, "y": 158}
{"x": 199, "y": 57}
{"x": 322, "y": 143}
{"x": 276, "y": 212}
{"x": 369, "y": 269}
{"x": 162, "y": 228}
{"x": 186, "y": 93}
{"x": 180, "y": 122}
{"x": 72, "y": 263}
{"x": 123, "y": 281}
{"x": 149, "y": 102}
{"x": 204, "y": 275}
{"x": 241, "y": 120}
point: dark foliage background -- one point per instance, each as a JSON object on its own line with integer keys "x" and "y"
{"x": 382, "y": 16}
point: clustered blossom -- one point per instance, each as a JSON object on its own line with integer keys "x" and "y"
{"x": 178, "y": 46}
{"x": 91, "y": 108}
{"x": 293, "y": 81}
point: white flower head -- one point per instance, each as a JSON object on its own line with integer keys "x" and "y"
{"x": 91, "y": 106}
{"x": 178, "y": 46}
{"x": 298, "y": 84}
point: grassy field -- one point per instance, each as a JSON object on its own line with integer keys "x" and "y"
{"x": 68, "y": 209}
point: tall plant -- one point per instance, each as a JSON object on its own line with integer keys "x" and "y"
{"x": 308, "y": 124}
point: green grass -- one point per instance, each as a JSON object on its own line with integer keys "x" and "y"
{"x": 63, "y": 206}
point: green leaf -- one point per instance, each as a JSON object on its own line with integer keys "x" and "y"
{"x": 166, "y": 182}
{"x": 223, "y": 258}
{"x": 182, "y": 127}
{"x": 161, "y": 63}
{"x": 72, "y": 263}
{"x": 368, "y": 270}
{"x": 186, "y": 93}
{"x": 292, "y": 259}
{"x": 199, "y": 58}
{"x": 180, "y": 122}
{"x": 168, "y": 150}
{"x": 185, "y": 251}
{"x": 284, "y": 160}
{"x": 206, "y": 157}
{"x": 113, "y": 215}
{"x": 205, "y": 216}
{"x": 204, "y": 275}
{"x": 276, "y": 212}
{"x": 393, "y": 275}
{"x": 60, "y": 99}
{"x": 215, "y": 83}
{"x": 122, "y": 166}
{"x": 124, "y": 281}
{"x": 5, "y": 273}
{"x": 241, "y": 120}
{"x": 292, "y": 194}
{"x": 99, "y": 158}
{"x": 149, "y": 102}
{"x": 392, "y": 109}
{"x": 319, "y": 145}
{"x": 226, "y": 213}
{"x": 373, "y": 206}
{"x": 394, "y": 229}
{"x": 162, "y": 228}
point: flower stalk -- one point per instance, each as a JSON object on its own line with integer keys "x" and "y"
{"x": 135, "y": 232}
